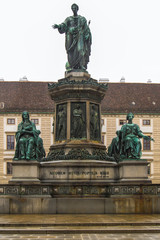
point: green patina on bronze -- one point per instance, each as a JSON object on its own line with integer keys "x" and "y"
{"x": 57, "y": 154}
{"x": 61, "y": 122}
{"x": 29, "y": 146}
{"x": 78, "y": 120}
{"x": 66, "y": 81}
{"x": 78, "y": 40}
{"x": 78, "y": 154}
{"x": 127, "y": 144}
{"x": 94, "y": 122}
{"x": 100, "y": 154}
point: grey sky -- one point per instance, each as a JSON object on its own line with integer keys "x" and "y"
{"x": 125, "y": 33}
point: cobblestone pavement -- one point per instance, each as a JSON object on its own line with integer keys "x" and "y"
{"x": 82, "y": 237}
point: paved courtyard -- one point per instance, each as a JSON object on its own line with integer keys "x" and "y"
{"x": 80, "y": 227}
{"x": 83, "y": 237}
{"x": 78, "y": 218}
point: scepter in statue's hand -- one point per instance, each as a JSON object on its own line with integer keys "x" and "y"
{"x": 152, "y": 139}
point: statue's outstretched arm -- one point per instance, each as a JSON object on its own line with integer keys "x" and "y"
{"x": 55, "y": 26}
{"x": 62, "y": 28}
{"x": 148, "y": 138}
{"x": 141, "y": 135}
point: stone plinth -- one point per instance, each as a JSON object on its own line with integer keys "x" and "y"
{"x": 79, "y": 170}
{"x": 25, "y": 172}
{"x": 131, "y": 170}
{"x": 79, "y": 198}
{"x": 89, "y": 171}
{"x": 78, "y": 75}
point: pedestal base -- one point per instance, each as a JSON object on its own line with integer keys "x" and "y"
{"x": 115, "y": 198}
{"x": 86, "y": 171}
{"x": 133, "y": 171}
{"x": 25, "y": 172}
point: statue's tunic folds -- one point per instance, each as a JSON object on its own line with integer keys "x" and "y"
{"x": 78, "y": 41}
{"x": 29, "y": 144}
{"x": 130, "y": 138}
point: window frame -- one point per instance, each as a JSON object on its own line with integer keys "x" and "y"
{"x": 125, "y": 121}
{"x": 103, "y": 141}
{"x": 102, "y": 121}
{"x": 146, "y": 150}
{"x": 11, "y": 122}
{"x": 34, "y": 121}
{"x": 146, "y": 121}
{"x": 7, "y": 135}
{"x": 10, "y": 163}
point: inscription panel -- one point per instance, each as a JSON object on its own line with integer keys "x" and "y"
{"x": 58, "y": 173}
{"x": 78, "y": 173}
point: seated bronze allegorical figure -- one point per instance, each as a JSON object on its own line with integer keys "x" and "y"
{"x": 127, "y": 144}
{"x": 29, "y": 146}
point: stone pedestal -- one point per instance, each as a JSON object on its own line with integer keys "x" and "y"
{"x": 89, "y": 171}
{"x": 77, "y": 126}
{"x": 79, "y": 171}
{"x": 25, "y": 172}
{"x": 131, "y": 170}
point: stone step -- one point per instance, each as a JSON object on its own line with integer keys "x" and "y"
{"x": 80, "y": 224}
{"x": 79, "y": 229}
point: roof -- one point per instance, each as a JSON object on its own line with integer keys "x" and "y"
{"x": 120, "y": 98}
{"x": 29, "y": 96}
{"x": 132, "y": 97}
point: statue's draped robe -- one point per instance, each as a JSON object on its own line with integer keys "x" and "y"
{"x": 78, "y": 123}
{"x": 130, "y": 139}
{"x": 78, "y": 41}
{"x": 32, "y": 137}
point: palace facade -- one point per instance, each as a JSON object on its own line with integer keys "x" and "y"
{"x": 143, "y": 99}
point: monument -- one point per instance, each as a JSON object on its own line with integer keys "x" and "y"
{"x": 29, "y": 145}
{"x": 78, "y": 40}
{"x": 127, "y": 144}
{"x": 78, "y": 175}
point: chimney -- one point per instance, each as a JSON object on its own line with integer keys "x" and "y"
{"x": 103, "y": 80}
{"x": 122, "y": 80}
{"x": 149, "y": 81}
{"x": 24, "y": 79}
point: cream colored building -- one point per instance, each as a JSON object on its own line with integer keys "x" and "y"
{"x": 141, "y": 99}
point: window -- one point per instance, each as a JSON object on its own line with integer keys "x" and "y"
{"x": 122, "y": 121}
{"x": 103, "y": 139}
{"x": 102, "y": 122}
{"x": 9, "y": 168}
{"x": 146, "y": 144}
{"x": 10, "y": 142}
{"x": 149, "y": 169}
{"x": 10, "y": 121}
{"x": 35, "y": 121}
{"x": 146, "y": 122}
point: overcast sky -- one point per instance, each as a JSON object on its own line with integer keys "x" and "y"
{"x": 125, "y": 36}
